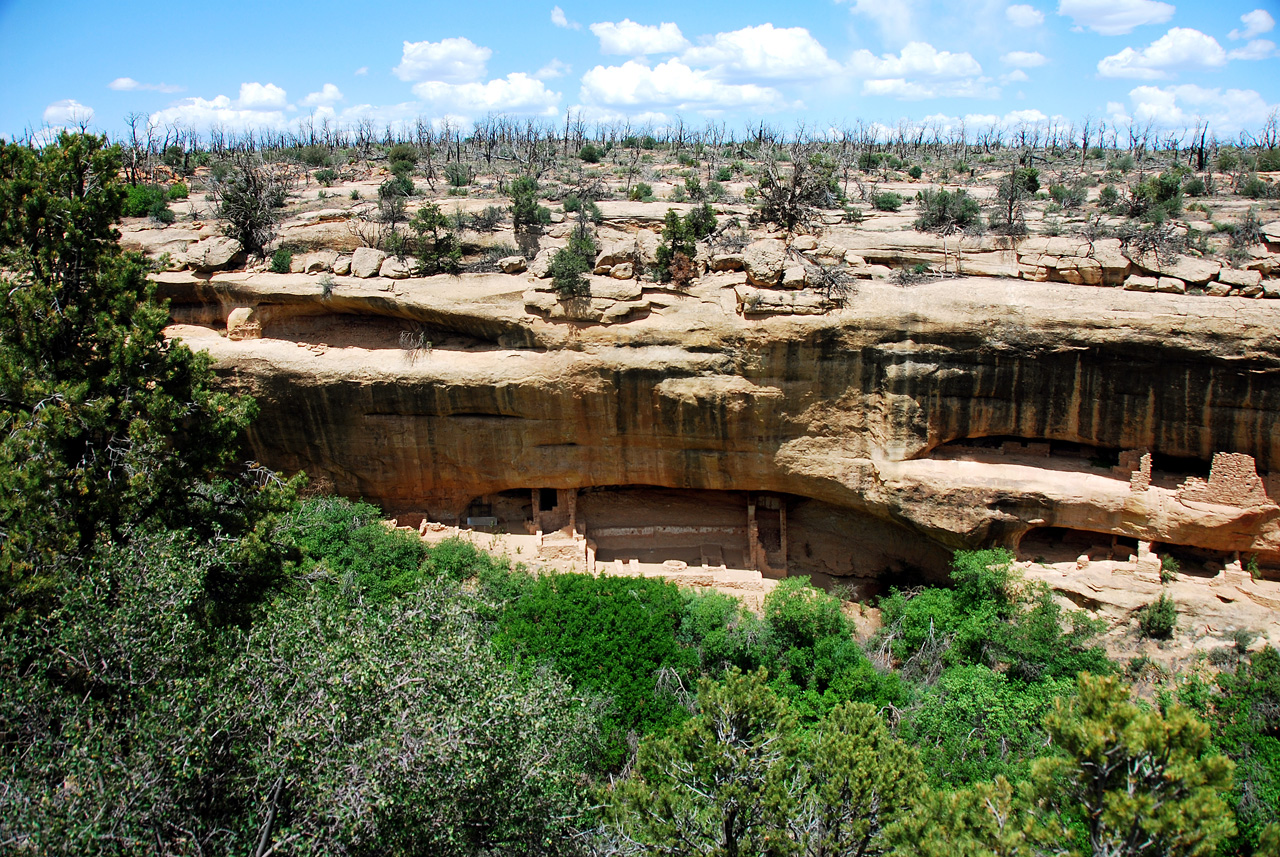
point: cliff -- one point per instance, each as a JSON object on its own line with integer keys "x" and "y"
{"x": 912, "y": 421}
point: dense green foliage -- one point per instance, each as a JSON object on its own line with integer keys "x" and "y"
{"x": 572, "y": 262}
{"x": 525, "y": 211}
{"x": 439, "y": 250}
{"x": 944, "y": 210}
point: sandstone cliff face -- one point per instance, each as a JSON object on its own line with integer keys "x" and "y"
{"x": 859, "y": 410}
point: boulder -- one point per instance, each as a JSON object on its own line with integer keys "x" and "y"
{"x": 1171, "y": 285}
{"x": 623, "y": 309}
{"x": 616, "y": 290}
{"x": 541, "y": 265}
{"x": 539, "y": 301}
{"x": 752, "y": 301}
{"x": 1254, "y": 291}
{"x": 617, "y": 253}
{"x": 1137, "y": 283}
{"x": 804, "y": 243}
{"x": 1185, "y": 268}
{"x": 342, "y": 265}
{"x": 1271, "y": 231}
{"x": 1115, "y": 265}
{"x": 397, "y": 268}
{"x": 1217, "y": 290}
{"x": 213, "y": 254}
{"x": 793, "y": 277}
{"x": 625, "y": 271}
{"x": 647, "y": 243}
{"x": 765, "y": 262}
{"x": 1233, "y": 277}
{"x": 243, "y": 323}
{"x": 726, "y": 262}
{"x": 513, "y": 265}
{"x": 319, "y": 262}
{"x": 1271, "y": 289}
{"x": 366, "y": 262}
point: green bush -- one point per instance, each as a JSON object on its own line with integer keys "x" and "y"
{"x": 676, "y": 251}
{"x": 724, "y": 174}
{"x": 1159, "y": 618}
{"x": 571, "y": 262}
{"x": 314, "y": 156}
{"x": 607, "y": 634}
{"x": 178, "y": 190}
{"x": 886, "y": 201}
{"x": 1269, "y": 160}
{"x": 460, "y": 175}
{"x": 1108, "y": 197}
{"x": 1253, "y": 187}
{"x": 700, "y": 222}
{"x": 640, "y": 192}
{"x": 1194, "y": 186}
{"x": 140, "y": 198}
{"x": 401, "y": 186}
{"x": 1157, "y": 197}
{"x": 944, "y": 209}
{"x": 161, "y": 213}
{"x": 1068, "y": 196}
{"x": 589, "y": 154}
{"x": 439, "y": 250}
{"x": 326, "y": 176}
{"x": 915, "y": 172}
{"x": 525, "y": 211}
{"x": 281, "y": 260}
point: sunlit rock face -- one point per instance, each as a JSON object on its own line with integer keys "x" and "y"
{"x": 911, "y": 422}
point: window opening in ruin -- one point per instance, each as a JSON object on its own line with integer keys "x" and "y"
{"x": 546, "y": 499}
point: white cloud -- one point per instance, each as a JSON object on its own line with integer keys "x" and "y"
{"x": 916, "y": 90}
{"x": 68, "y": 111}
{"x": 1024, "y": 59}
{"x": 453, "y": 60}
{"x": 1015, "y": 76}
{"x": 1021, "y": 15}
{"x": 558, "y": 18}
{"x": 1115, "y": 17}
{"x": 515, "y": 93}
{"x": 917, "y": 59}
{"x": 1180, "y": 48}
{"x": 201, "y": 113}
{"x": 553, "y": 69}
{"x": 1226, "y": 111}
{"x": 671, "y": 84}
{"x": 789, "y": 53}
{"x": 1256, "y": 23}
{"x": 258, "y": 96}
{"x": 128, "y": 84}
{"x": 1257, "y": 49}
{"x": 328, "y": 95}
{"x": 362, "y": 70}
{"x": 895, "y": 18}
{"x": 627, "y": 38}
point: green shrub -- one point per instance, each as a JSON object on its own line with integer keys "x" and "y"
{"x": 326, "y": 176}
{"x": 886, "y": 201}
{"x": 140, "y": 198}
{"x": 439, "y": 251}
{"x": 700, "y": 222}
{"x": 944, "y": 209}
{"x": 161, "y": 213}
{"x": 915, "y": 172}
{"x": 1194, "y": 186}
{"x": 1158, "y": 619}
{"x": 608, "y": 634}
{"x": 525, "y": 211}
{"x": 640, "y": 192}
{"x": 571, "y": 262}
{"x": 314, "y": 156}
{"x": 1068, "y": 196}
{"x": 724, "y": 174}
{"x": 1157, "y": 197}
{"x": 1253, "y": 187}
{"x": 401, "y": 186}
{"x": 459, "y": 175}
{"x": 589, "y": 154}
{"x": 676, "y": 251}
{"x": 488, "y": 220}
{"x": 281, "y": 260}
{"x": 1108, "y": 197}
{"x": 178, "y": 190}
{"x": 1269, "y": 160}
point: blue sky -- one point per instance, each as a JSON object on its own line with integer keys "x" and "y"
{"x": 824, "y": 62}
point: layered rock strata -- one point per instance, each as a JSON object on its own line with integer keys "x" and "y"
{"x": 874, "y": 420}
